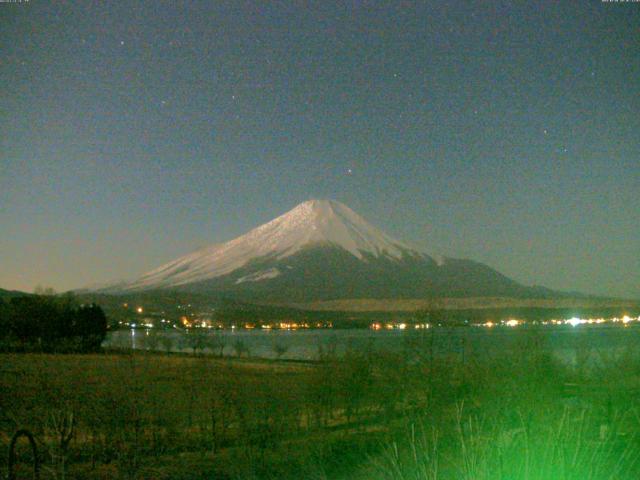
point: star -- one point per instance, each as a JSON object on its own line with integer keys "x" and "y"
{"x": 121, "y": 42}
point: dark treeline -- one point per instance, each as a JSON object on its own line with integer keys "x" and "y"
{"x": 50, "y": 323}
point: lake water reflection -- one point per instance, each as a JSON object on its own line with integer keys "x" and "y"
{"x": 572, "y": 344}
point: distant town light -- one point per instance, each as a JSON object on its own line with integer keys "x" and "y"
{"x": 575, "y": 321}
{"x": 139, "y": 309}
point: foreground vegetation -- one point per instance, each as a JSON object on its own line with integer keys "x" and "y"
{"x": 516, "y": 414}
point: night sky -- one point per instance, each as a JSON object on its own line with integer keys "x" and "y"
{"x": 135, "y": 132}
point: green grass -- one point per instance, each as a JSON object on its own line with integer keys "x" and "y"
{"x": 367, "y": 415}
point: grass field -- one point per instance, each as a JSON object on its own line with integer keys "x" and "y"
{"x": 364, "y": 415}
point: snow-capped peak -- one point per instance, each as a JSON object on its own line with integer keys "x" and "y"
{"x": 311, "y": 222}
{"x": 324, "y": 221}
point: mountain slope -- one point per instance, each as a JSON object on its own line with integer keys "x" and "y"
{"x": 329, "y": 273}
{"x": 322, "y": 250}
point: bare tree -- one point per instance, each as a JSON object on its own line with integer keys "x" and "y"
{"x": 240, "y": 347}
{"x": 280, "y": 349}
{"x": 195, "y": 339}
{"x": 60, "y": 426}
{"x": 216, "y": 343}
{"x": 166, "y": 340}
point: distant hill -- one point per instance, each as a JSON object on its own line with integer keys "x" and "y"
{"x": 12, "y": 293}
{"x": 569, "y": 303}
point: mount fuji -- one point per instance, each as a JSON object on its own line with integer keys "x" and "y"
{"x": 323, "y": 250}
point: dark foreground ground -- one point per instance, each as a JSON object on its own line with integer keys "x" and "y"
{"x": 516, "y": 414}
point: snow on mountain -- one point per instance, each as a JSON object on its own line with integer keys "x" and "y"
{"x": 324, "y": 222}
{"x": 261, "y": 275}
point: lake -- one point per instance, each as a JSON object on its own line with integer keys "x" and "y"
{"x": 572, "y": 344}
